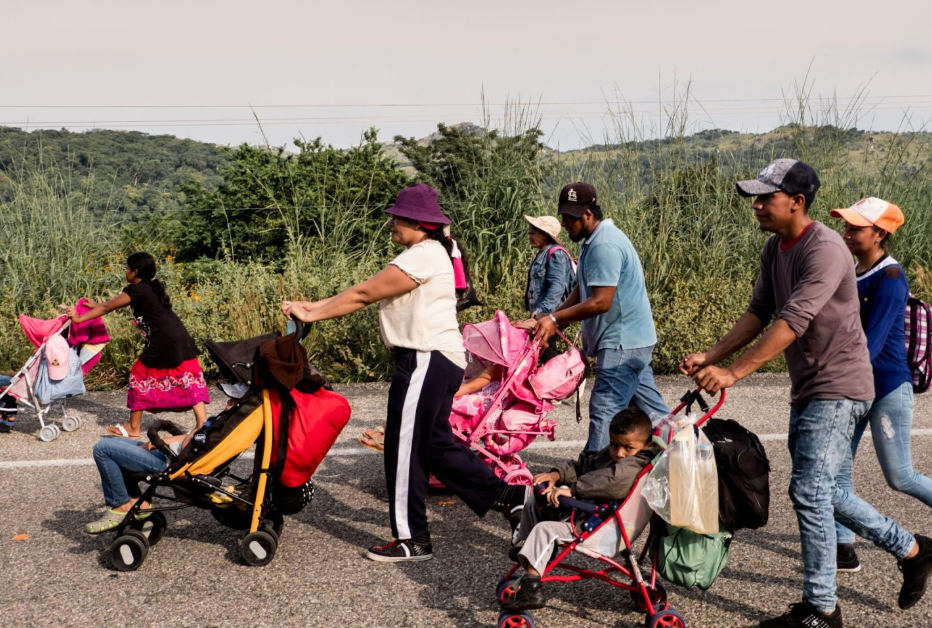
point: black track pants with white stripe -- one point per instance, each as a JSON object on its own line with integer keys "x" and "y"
{"x": 419, "y": 441}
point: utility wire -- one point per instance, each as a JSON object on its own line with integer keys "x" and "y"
{"x": 438, "y": 104}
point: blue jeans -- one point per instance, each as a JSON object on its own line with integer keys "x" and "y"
{"x": 820, "y": 445}
{"x": 891, "y": 421}
{"x": 621, "y": 376}
{"x": 115, "y": 457}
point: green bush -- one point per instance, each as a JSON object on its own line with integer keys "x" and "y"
{"x": 323, "y": 230}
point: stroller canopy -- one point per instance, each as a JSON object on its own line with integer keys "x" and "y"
{"x": 496, "y": 340}
{"x": 236, "y": 358}
{"x": 39, "y": 330}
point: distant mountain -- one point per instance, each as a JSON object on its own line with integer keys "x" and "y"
{"x": 123, "y": 170}
{"x": 136, "y": 172}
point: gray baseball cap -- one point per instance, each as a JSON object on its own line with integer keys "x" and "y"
{"x": 787, "y": 175}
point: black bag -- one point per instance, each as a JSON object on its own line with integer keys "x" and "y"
{"x": 465, "y": 297}
{"x": 743, "y": 475}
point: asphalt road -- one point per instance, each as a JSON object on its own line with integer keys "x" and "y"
{"x": 58, "y": 576}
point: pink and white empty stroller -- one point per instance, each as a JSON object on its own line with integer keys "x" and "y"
{"x": 56, "y": 369}
{"x": 509, "y": 413}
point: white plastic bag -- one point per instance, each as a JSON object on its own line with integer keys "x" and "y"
{"x": 683, "y": 486}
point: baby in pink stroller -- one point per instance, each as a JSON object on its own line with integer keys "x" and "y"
{"x": 503, "y": 404}
{"x": 501, "y": 410}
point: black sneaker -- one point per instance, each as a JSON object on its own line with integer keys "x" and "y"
{"x": 848, "y": 560}
{"x": 804, "y": 615}
{"x": 401, "y": 551}
{"x": 915, "y": 573}
{"x": 530, "y": 596}
{"x": 510, "y": 503}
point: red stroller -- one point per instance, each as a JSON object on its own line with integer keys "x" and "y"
{"x": 609, "y": 532}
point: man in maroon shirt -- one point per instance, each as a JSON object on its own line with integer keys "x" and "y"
{"x": 807, "y": 282}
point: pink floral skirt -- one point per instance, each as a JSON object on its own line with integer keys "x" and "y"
{"x": 166, "y": 390}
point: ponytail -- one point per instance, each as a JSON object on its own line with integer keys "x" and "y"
{"x": 160, "y": 293}
{"x": 439, "y": 236}
{"x": 144, "y": 265}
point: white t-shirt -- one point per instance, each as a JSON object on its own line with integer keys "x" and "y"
{"x": 425, "y": 318}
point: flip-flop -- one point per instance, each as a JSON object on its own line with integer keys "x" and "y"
{"x": 373, "y": 432}
{"x": 108, "y": 522}
{"x": 372, "y": 444}
{"x": 118, "y": 430}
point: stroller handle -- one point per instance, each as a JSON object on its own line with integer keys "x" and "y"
{"x": 695, "y": 396}
{"x": 301, "y": 328}
{"x": 163, "y": 426}
{"x": 568, "y": 502}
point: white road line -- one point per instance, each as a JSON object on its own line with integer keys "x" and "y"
{"x": 354, "y": 451}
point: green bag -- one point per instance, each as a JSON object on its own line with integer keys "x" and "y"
{"x": 690, "y": 559}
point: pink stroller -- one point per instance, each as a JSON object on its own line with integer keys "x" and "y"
{"x": 32, "y": 386}
{"x": 508, "y": 414}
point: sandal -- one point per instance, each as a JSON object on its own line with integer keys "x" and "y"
{"x": 373, "y": 439}
{"x": 118, "y": 430}
{"x": 108, "y": 522}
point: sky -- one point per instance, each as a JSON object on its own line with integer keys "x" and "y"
{"x": 206, "y": 69}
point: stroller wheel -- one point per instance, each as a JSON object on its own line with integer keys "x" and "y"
{"x": 658, "y": 597}
{"x": 258, "y": 548}
{"x": 668, "y": 618}
{"x": 273, "y": 524}
{"x": 152, "y": 527}
{"x": 515, "y": 620}
{"x": 519, "y": 476}
{"x": 48, "y": 433}
{"x": 71, "y": 423}
{"x": 506, "y": 589}
{"x": 128, "y": 551}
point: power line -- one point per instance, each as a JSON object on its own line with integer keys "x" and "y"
{"x": 438, "y": 104}
{"x": 209, "y": 122}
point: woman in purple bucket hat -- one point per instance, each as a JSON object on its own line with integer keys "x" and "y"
{"x": 417, "y": 317}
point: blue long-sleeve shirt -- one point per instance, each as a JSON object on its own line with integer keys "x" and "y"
{"x": 550, "y": 280}
{"x": 883, "y": 291}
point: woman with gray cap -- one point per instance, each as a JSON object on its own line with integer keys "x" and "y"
{"x": 551, "y": 276}
{"x": 417, "y": 318}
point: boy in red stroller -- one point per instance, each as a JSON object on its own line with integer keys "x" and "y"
{"x": 608, "y": 474}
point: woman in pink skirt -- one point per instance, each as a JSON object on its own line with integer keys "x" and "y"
{"x": 167, "y": 376}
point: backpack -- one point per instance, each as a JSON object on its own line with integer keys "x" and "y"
{"x": 573, "y": 263}
{"x": 689, "y": 559}
{"x": 918, "y": 346}
{"x": 743, "y": 475}
{"x": 559, "y": 377}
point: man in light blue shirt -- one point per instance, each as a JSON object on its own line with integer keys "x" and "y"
{"x": 610, "y": 299}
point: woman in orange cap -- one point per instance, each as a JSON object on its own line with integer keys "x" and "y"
{"x": 883, "y": 291}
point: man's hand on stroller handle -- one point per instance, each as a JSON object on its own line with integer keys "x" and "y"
{"x": 712, "y": 379}
{"x": 709, "y": 377}
{"x": 692, "y": 363}
{"x": 546, "y": 327}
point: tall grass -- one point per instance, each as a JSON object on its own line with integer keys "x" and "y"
{"x": 698, "y": 240}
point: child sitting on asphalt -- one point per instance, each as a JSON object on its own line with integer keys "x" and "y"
{"x": 604, "y": 475}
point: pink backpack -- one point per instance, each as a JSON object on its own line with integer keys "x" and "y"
{"x": 560, "y": 377}
{"x": 919, "y": 342}
{"x": 556, "y": 248}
